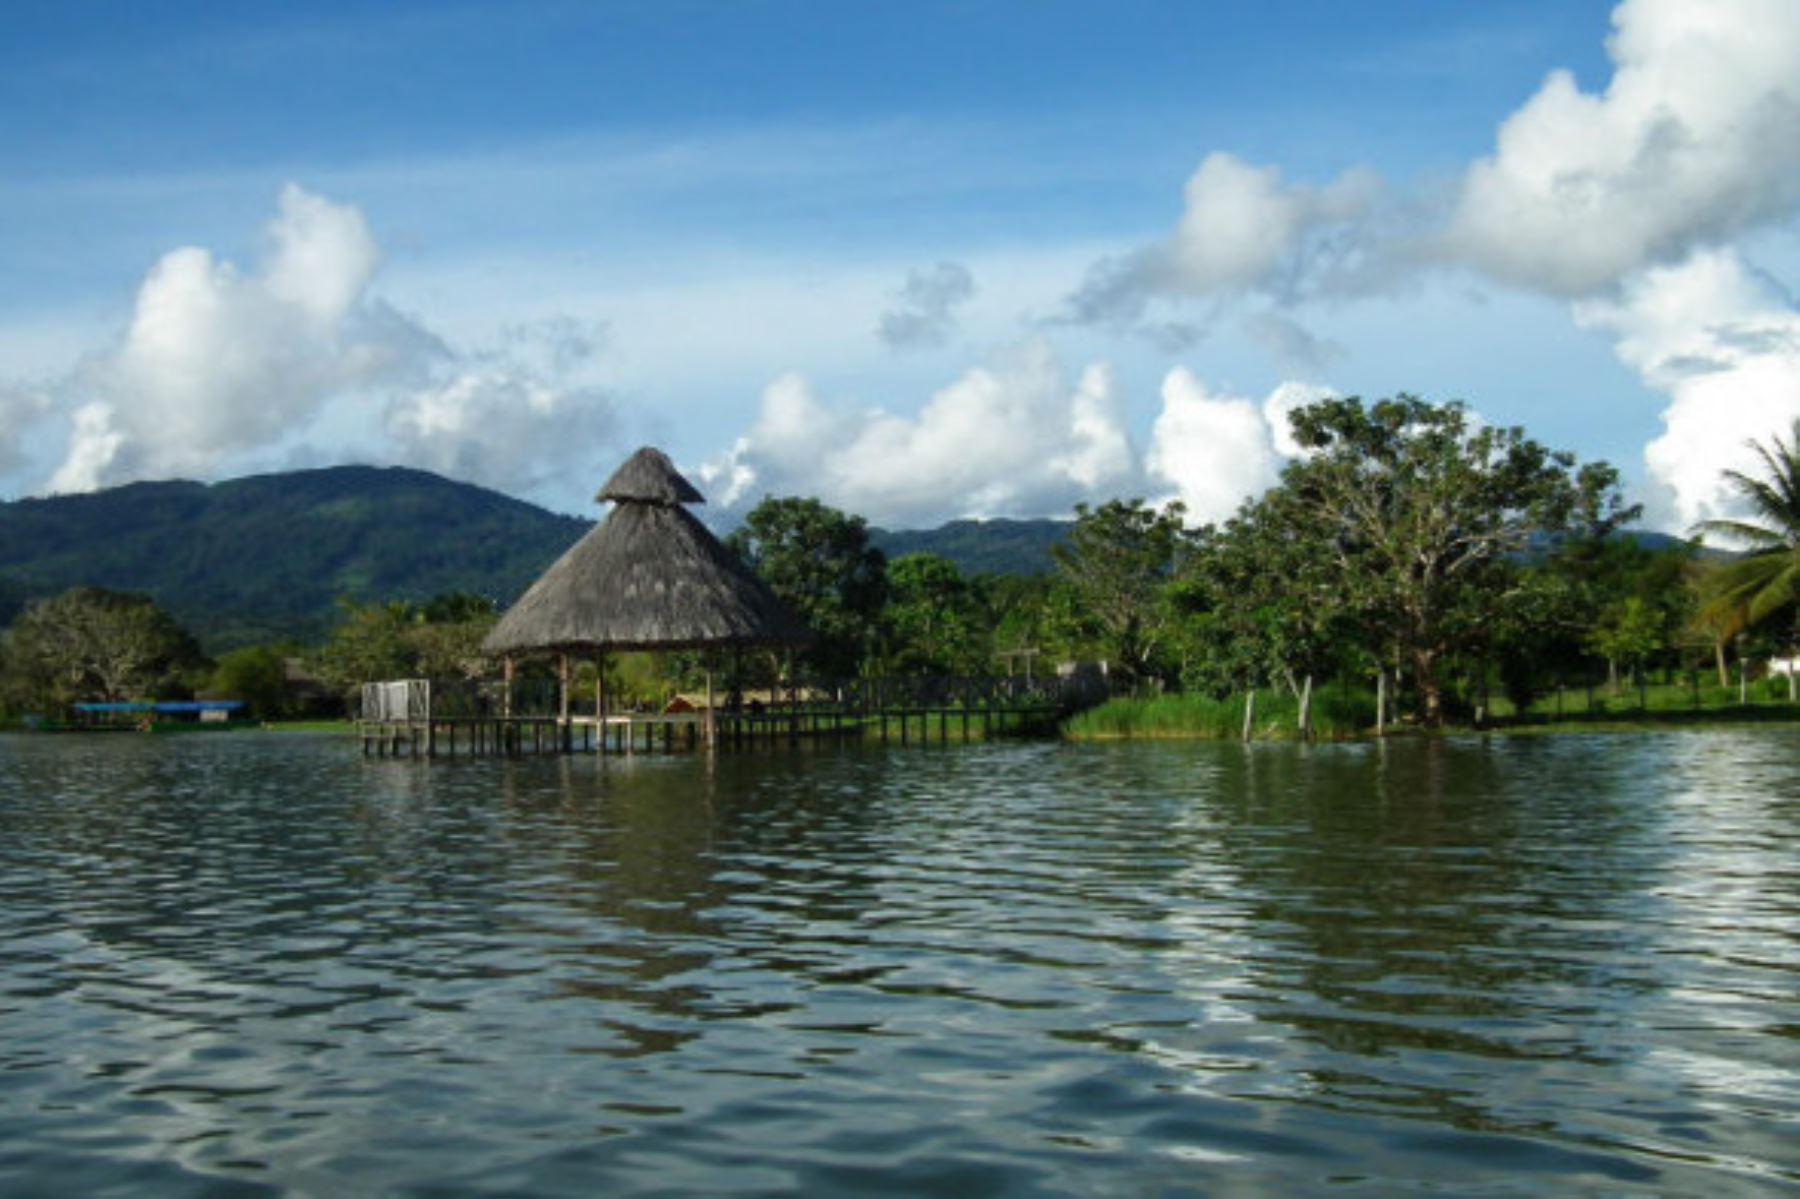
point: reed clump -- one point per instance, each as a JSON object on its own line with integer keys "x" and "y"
{"x": 1277, "y": 717}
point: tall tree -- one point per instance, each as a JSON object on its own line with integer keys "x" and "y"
{"x": 1422, "y": 511}
{"x": 1629, "y": 631}
{"x": 1262, "y": 600}
{"x": 1766, "y": 581}
{"x": 1118, "y": 561}
{"x": 440, "y": 639}
{"x": 819, "y": 561}
{"x": 93, "y": 644}
{"x": 932, "y": 616}
{"x": 368, "y": 644}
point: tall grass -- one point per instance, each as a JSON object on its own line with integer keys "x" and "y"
{"x": 1334, "y": 716}
{"x": 1339, "y": 713}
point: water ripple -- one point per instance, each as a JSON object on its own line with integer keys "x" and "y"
{"x": 263, "y": 965}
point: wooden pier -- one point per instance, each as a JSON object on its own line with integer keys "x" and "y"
{"x": 399, "y": 719}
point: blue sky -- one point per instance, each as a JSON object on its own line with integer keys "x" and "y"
{"x": 924, "y": 260}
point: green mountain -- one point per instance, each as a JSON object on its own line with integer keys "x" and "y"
{"x": 980, "y": 547}
{"x": 266, "y": 557}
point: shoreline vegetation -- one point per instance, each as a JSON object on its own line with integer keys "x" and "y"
{"x": 1476, "y": 578}
{"x": 1336, "y": 717}
{"x": 1193, "y": 718}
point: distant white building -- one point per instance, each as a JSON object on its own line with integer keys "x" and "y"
{"x": 1787, "y": 666}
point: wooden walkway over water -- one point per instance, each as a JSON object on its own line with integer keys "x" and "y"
{"x": 420, "y": 719}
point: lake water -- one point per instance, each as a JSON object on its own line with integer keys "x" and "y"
{"x": 255, "y": 965}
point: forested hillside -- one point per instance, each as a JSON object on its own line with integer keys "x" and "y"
{"x": 260, "y": 558}
{"x": 981, "y": 547}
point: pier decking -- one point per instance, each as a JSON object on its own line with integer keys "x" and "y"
{"x": 417, "y": 718}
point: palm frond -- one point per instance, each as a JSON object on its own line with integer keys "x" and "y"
{"x": 1773, "y": 497}
{"x": 1748, "y": 591}
{"x": 1780, "y": 590}
{"x": 1743, "y": 531}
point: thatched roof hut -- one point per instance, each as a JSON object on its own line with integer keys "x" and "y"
{"x": 648, "y": 577}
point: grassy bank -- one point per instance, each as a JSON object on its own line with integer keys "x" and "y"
{"x": 1339, "y": 717}
{"x": 1277, "y": 717}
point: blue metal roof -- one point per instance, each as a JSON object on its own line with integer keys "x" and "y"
{"x": 170, "y": 707}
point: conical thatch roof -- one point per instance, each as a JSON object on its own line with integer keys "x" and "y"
{"x": 649, "y": 477}
{"x": 649, "y": 576}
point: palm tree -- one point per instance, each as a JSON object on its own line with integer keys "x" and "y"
{"x": 1766, "y": 581}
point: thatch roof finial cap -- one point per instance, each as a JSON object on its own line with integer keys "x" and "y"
{"x": 648, "y": 477}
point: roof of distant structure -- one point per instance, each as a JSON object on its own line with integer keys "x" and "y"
{"x": 649, "y": 477}
{"x": 649, "y": 576}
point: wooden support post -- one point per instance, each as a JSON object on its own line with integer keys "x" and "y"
{"x": 600, "y": 703}
{"x": 564, "y": 730}
{"x": 506, "y": 694}
{"x": 711, "y": 725}
{"x": 600, "y": 699}
{"x": 793, "y": 704}
{"x": 1381, "y": 702}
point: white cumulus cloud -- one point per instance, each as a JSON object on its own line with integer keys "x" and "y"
{"x": 1213, "y": 450}
{"x": 1243, "y": 229}
{"x": 1724, "y": 346}
{"x": 500, "y": 426}
{"x": 1013, "y": 437}
{"x": 218, "y": 362}
{"x": 1692, "y": 142}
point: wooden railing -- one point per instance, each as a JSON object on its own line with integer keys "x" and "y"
{"x": 420, "y": 700}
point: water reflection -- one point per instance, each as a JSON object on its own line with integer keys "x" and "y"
{"x": 1025, "y": 969}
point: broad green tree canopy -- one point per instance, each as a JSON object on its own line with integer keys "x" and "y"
{"x": 820, "y": 563}
{"x": 94, "y": 644}
{"x": 1419, "y": 514}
